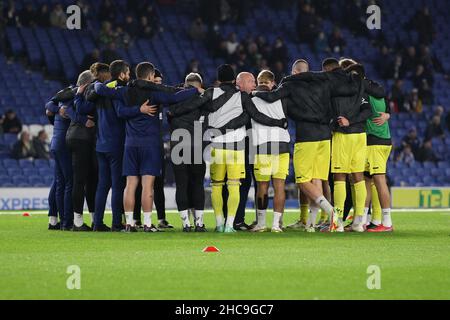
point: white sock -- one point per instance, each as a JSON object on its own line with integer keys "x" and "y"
{"x": 160, "y": 220}
{"x": 92, "y": 216}
{"x": 276, "y": 219}
{"x": 230, "y": 221}
{"x": 261, "y": 217}
{"x": 366, "y": 212}
{"x": 129, "y": 219}
{"x": 198, "y": 216}
{"x": 323, "y": 203}
{"x": 368, "y": 219}
{"x": 148, "y": 219}
{"x": 387, "y": 221}
{"x": 357, "y": 220}
{"x": 184, "y": 215}
{"x": 219, "y": 220}
{"x": 312, "y": 216}
{"x": 53, "y": 220}
{"x": 78, "y": 219}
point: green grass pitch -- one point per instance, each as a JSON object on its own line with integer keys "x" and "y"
{"x": 414, "y": 262}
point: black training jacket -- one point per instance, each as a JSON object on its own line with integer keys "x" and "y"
{"x": 356, "y": 108}
{"x": 310, "y": 106}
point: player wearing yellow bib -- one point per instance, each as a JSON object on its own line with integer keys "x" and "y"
{"x": 272, "y": 155}
{"x": 379, "y": 146}
{"x": 349, "y": 145}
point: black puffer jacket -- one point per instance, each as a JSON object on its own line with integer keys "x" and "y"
{"x": 310, "y": 106}
{"x": 356, "y": 108}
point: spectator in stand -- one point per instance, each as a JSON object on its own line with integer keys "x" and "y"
{"x": 58, "y": 17}
{"x": 279, "y": 71}
{"x": 122, "y": 38}
{"x": 145, "y": 29}
{"x": 107, "y": 11}
{"x": 426, "y": 153}
{"x": 89, "y": 59}
{"x": 11, "y": 16}
{"x": 308, "y": 24}
{"x": 130, "y": 26}
{"x": 279, "y": 52}
{"x": 406, "y": 156}
{"x": 397, "y": 68}
{"x": 23, "y": 149}
{"x": 321, "y": 45}
{"x": 439, "y": 111}
{"x": 420, "y": 75}
{"x": 193, "y": 67}
{"x": 410, "y": 60}
{"x": 434, "y": 129}
{"x": 397, "y": 96}
{"x": 106, "y": 35}
{"x": 153, "y": 18}
{"x": 40, "y": 146}
{"x": 43, "y": 17}
{"x": 10, "y": 122}
{"x": 336, "y": 42}
{"x": 425, "y": 93}
{"x": 197, "y": 31}
{"x": 384, "y": 63}
{"x": 27, "y": 16}
{"x": 232, "y": 44}
{"x": 110, "y": 54}
{"x": 411, "y": 140}
{"x": 423, "y": 23}
{"x": 414, "y": 103}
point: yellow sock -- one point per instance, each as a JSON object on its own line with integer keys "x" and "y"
{"x": 340, "y": 194}
{"x": 376, "y": 206}
{"x": 233, "y": 198}
{"x": 360, "y": 198}
{"x": 217, "y": 202}
{"x": 304, "y": 213}
{"x": 353, "y": 197}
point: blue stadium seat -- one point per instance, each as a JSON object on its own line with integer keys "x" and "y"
{"x": 41, "y": 163}
{"x": 25, "y": 163}
{"x": 429, "y": 165}
{"x": 10, "y": 163}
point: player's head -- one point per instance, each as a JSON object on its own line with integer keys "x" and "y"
{"x": 266, "y": 78}
{"x": 100, "y": 71}
{"x": 300, "y": 66}
{"x": 120, "y": 70}
{"x": 357, "y": 69}
{"x": 85, "y": 78}
{"x": 330, "y": 64}
{"x": 158, "y": 79}
{"x": 225, "y": 74}
{"x": 194, "y": 80}
{"x": 346, "y": 62}
{"x": 145, "y": 71}
{"x": 246, "y": 82}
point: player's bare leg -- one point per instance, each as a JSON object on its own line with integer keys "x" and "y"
{"x": 262, "y": 202}
{"x": 147, "y": 202}
{"x": 279, "y": 201}
{"x": 385, "y": 201}
{"x": 129, "y": 201}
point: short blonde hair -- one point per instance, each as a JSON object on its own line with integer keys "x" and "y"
{"x": 266, "y": 75}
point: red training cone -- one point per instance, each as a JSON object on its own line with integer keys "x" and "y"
{"x": 26, "y": 214}
{"x": 211, "y": 249}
